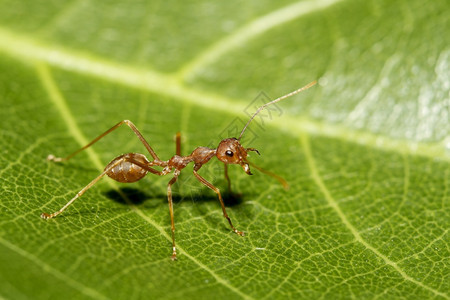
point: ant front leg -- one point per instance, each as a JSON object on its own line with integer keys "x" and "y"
{"x": 217, "y": 191}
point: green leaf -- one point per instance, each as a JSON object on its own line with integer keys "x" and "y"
{"x": 366, "y": 152}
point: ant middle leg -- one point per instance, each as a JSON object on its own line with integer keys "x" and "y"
{"x": 172, "y": 222}
{"x": 217, "y": 191}
{"x": 128, "y": 123}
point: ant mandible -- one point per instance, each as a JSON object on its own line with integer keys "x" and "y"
{"x": 132, "y": 167}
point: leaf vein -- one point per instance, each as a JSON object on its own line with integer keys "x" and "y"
{"x": 251, "y": 30}
{"x": 305, "y": 143}
{"x": 55, "y": 272}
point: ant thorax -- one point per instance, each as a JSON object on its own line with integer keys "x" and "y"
{"x": 201, "y": 155}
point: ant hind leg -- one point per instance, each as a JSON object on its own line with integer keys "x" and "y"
{"x": 80, "y": 193}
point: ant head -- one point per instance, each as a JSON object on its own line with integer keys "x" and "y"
{"x": 230, "y": 151}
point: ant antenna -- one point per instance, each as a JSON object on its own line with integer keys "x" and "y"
{"x": 275, "y": 101}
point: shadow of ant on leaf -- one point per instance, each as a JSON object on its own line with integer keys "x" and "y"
{"x": 137, "y": 197}
{"x": 232, "y": 199}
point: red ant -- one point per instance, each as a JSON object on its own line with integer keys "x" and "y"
{"x": 132, "y": 167}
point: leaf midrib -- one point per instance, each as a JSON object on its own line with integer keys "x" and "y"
{"x": 251, "y": 30}
{"x": 29, "y": 50}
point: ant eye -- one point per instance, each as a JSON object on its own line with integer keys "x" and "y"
{"x": 229, "y": 153}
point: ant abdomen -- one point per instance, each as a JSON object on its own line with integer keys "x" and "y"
{"x": 125, "y": 170}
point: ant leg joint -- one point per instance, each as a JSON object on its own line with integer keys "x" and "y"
{"x": 129, "y": 123}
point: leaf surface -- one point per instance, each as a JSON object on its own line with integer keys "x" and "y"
{"x": 366, "y": 152}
